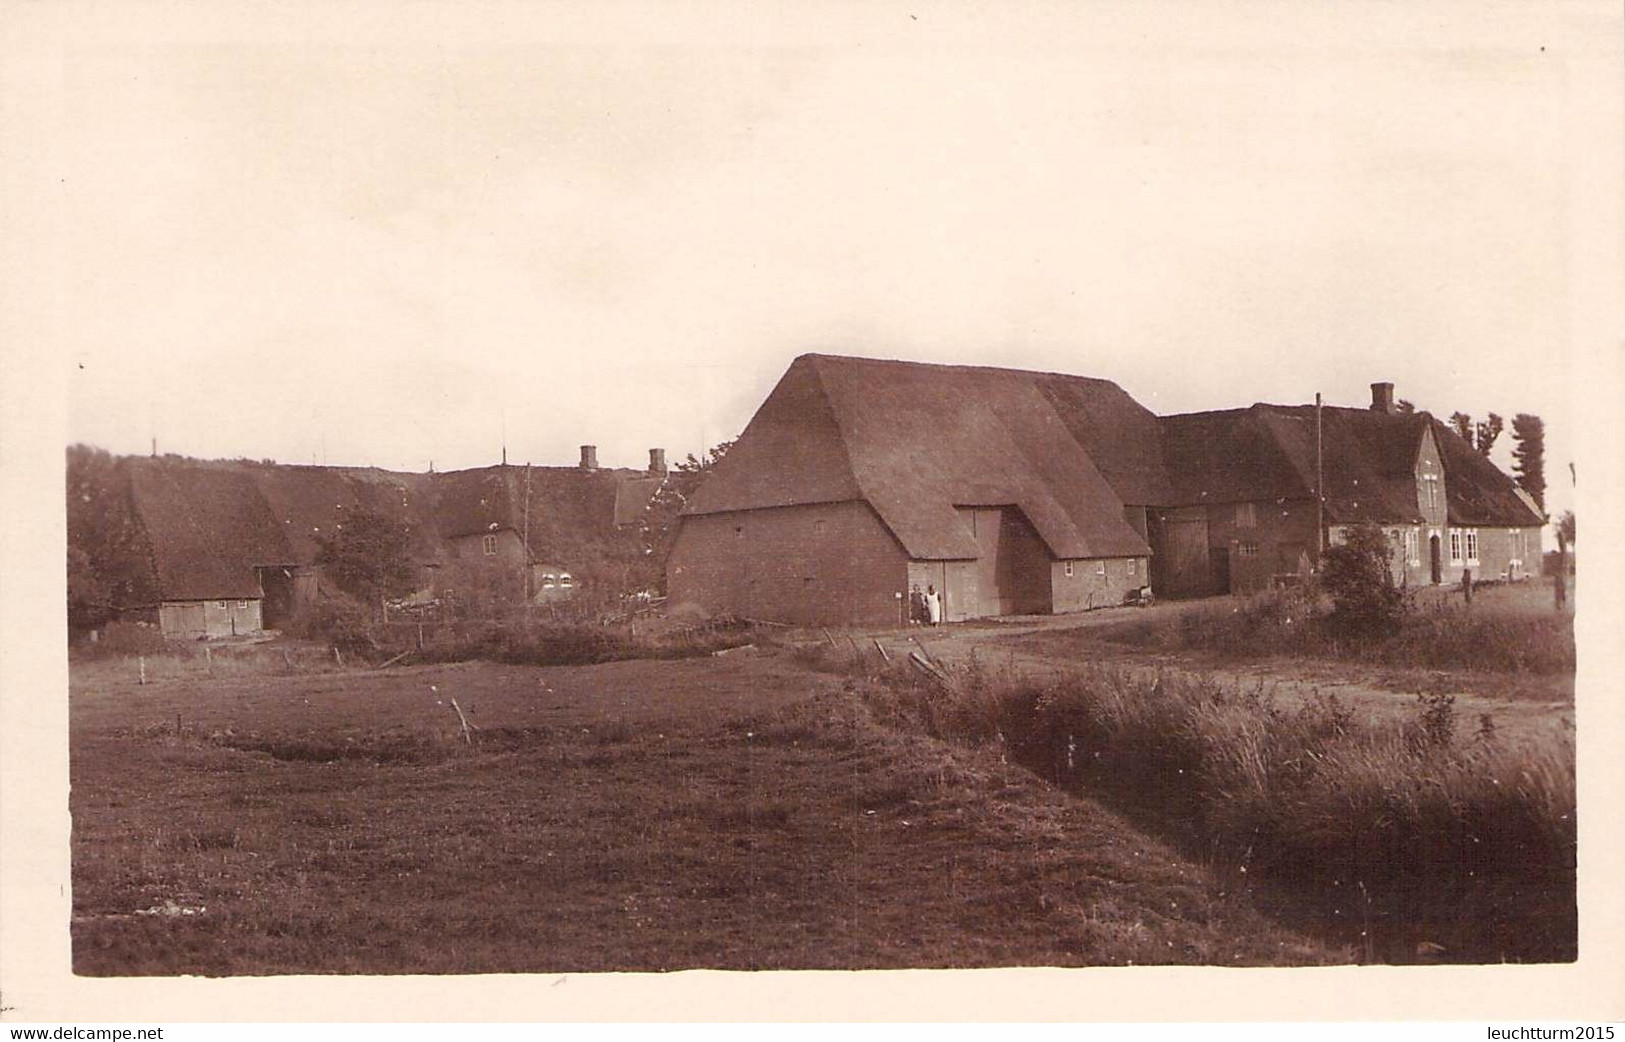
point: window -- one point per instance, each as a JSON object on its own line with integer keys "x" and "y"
{"x": 1249, "y": 548}
{"x": 1100, "y": 569}
{"x": 222, "y": 605}
{"x": 1472, "y": 546}
{"x": 1412, "y": 553}
{"x": 489, "y": 545}
{"x": 1069, "y": 569}
{"x": 739, "y": 531}
{"x": 1455, "y": 546}
{"x": 565, "y": 580}
{"x": 243, "y": 605}
{"x": 818, "y": 528}
{"x": 1246, "y": 517}
{"x": 548, "y": 581}
{"x": 1133, "y": 563}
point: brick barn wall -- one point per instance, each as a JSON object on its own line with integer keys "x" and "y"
{"x": 1088, "y": 588}
{"x": 823, "y": 564}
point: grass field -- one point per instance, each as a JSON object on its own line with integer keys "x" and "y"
{"x": 737, "y": 812}
{"x": 1509, "y": 644}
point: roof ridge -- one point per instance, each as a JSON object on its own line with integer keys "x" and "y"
{"x": 821, "y": 356}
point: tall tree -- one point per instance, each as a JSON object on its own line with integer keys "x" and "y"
{"x": 1565, "y": 528}
{"x": 369, "y": 557}
{"x": 1529, "y": 456}
{"x": 1462, "y": 424}
{"x": 1484, "y": 434}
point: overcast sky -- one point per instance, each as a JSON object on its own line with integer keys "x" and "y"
{"x": 385, "y": 251}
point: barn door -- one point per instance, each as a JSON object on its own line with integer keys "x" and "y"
{"x": 1184, "y": 555}
{"x": 1012, "y": 566}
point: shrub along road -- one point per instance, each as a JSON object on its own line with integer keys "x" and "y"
{"x": 1044, "y": 646}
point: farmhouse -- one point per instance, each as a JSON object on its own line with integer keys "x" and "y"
{"x": 233, "y": 547}
{"x": 1017, "y": 492}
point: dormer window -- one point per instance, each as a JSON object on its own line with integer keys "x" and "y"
{"x": 488, "y": 544}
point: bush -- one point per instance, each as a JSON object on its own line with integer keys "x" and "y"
{"x": 1365, "y": 603}
{"x": 564, "y": 643}
{"x": 337, "y": 620}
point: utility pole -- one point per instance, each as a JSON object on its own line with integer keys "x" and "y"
{"x": 525, "y": 536}
{"x": 1320, "y": 489}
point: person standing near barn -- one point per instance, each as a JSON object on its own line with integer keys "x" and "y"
{"x": 933, "y": 606}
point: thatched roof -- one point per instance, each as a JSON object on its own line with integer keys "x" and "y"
{"x": 211, "y": 523}
{"x": 915, "y": 441}
{"x": 1369, "y": 461}
{"x": 1477, "y": 491}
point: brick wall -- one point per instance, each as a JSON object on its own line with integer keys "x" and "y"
{"x": 1097, "y": 583}
{"x": 822, "y": 564}
{"x": 509, "y": 549}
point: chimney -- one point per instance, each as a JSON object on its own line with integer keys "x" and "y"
{"x": 1382, "y": 398}
{"x": 657, "y": 461}
{"x": 589, "y": 457}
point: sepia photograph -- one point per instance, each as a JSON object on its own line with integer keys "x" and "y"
{"x": 844, "y": 487}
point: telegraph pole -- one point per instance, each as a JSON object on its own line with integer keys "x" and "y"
{"x": 1320, "y": 489}
{"x": 526, "y": 535}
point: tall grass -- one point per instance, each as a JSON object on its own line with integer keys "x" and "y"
{"x": 1467, "y": 838}
{"x": 559, "y": 643}
{"x": 1293, "y": 623}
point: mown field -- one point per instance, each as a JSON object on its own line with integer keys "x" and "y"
{"x": 739, "y": 812}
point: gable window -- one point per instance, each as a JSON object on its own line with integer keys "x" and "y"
{"x": 489, "y": 545}
{"x": 1472, "y": 546}
{"x": 1069, "y": 569}
{"x": 1246, "y": 516}
{"x": 1455, "y": 546}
